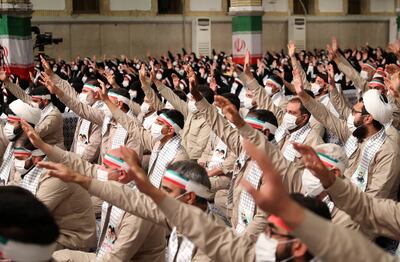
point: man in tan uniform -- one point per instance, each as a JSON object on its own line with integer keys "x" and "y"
{"x": 185, "y": 181}
{"x": 50, "y": 126}
{"x": 69, "y": 204}
{"x": 373, "y": 155}
{"x": 294, "y": 123}
{"x": 132, "y": 238}
{"x": 195, "y": 132}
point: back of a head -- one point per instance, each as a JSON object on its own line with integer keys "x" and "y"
{"x": 264, "y": 115}
{"x": 312, "y": 204}
{"x": 175, "y": 116}
{"x": 207, "y": 93}
{"x": 192, "y": 171}
{"x": 121, "y": 91}
{"x": 40, "y": 91}
{"x": 180, "y": 94}
{"x": 334, "y": 152}
{"x": 25, "y": 219}
{"x": 234, "y": 99}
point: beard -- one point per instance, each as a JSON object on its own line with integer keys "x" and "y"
{"x": 360, "y": 133}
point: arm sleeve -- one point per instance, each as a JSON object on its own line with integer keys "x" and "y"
{"x": 18, "y": 92}
{"x": 134, "y": 128}
{"x": 339, "y": 103}
{"x": 352, "y": 74}
{"x": 330, "y": 242}
{"x": 133, "y": 232}
{"x": 218, "y": 242}
{"x": 229, "y": 135}
{"x": 380, "y": 216}
{"x": 87, "y": 112}
{"x": 171, "y": 97}
{"x": 64, "y": 86}
{"x": 327, "y": 119}
{"x": 92, "y": 148}
{"x": 52, "y": 192}
{"x": 152, "y": 96}
{"x": 264, "y": 100}
{"x": 128, "y": 199}
{"x": 50, "y": 124}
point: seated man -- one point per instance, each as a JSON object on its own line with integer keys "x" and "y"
{"x": 28, "y": 232}
{"x": 185, "y": 181}
{"x": 50, "y": 125}
{"x": 134, "y": 239}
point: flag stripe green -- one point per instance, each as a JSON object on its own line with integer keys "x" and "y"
{"x": 246, "y": 23}
{"x": 15, "y": 26}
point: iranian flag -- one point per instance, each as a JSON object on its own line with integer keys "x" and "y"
{"x": 246, "y": 35}
{"x": 16, "y": 39}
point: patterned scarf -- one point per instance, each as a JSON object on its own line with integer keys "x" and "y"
{"x": 182, "y": 252}
{"x": 120, "y": 134}
{"x": 161, "y": 157}
{"x": 84, "y": 128}
{"x": 239, "y": 164}
{"x": 45, "y": 112}
{"x": 373, "y": 144}
{"x": 110, "y": 219}
{"x": 8, "y": 160}
{"x": 30, "y": 181}
{"x": 247, "y": 206}
{"x": 298, "y": 136}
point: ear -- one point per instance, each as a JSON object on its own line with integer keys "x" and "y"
{"x": 368, "y": 119}
{"x": 191, "y": 198}
{"x": 171, "y": 131}
{"x": 266, "y": 132}
{"x": 336, "y": 172}
{"x": 299, "y": 249}
{"x": 122, "y": 176}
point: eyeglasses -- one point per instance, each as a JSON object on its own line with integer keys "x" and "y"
{"x": 272, "y": 230}
{"x": 353, "y": 112}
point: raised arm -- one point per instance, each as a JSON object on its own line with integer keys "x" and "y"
{"x": 171, "y": 97}
{"x": 148, "y": 91}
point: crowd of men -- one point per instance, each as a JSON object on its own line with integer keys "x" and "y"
{"x": 186, "y": 158}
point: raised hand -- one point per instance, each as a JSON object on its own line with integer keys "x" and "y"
{"x": 313, "y": 163}
{"x": 45, "y": 80}
{"x": 291, "y": 49}
{"x": 47, "y": 69}
{"x": 103, "y": 92}
{"x": 136, "y": 172}
{"x": 65, "y": 173}
{"x": 3, "y": 75}
{"x": 194, "y": 89}
{"x": 271, "y": 197}
{"x": 143, "y": 74}
{"x": 229, "y": 111}
{"x": 335, "y": 46}
{"x": 246, "y": 67}
{"x": 32, "y": 135}
{"x": 298, "y": 84}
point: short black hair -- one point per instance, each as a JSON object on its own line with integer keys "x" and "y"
{"x": 123, "y": 92}
{"x": 276, "y": 79}
{"x": 193, "y": 171}
{"x": 40, "y": 91}
{"x": 313, "y": 204}
{"x": 174, "y": 115}
{"x": 207, "y": 93}
{"x": 180, "y": 94}
{"x": 265, "y": 116}
{"x": 234, "y": 99}
{"x": 24, "y": 218}
{"x": 303, "y": 109}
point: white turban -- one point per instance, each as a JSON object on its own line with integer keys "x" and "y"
{"x": 25, "y": 111}
{"x": 376, "y": 106}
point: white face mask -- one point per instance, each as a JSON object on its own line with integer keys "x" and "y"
{"x": 350, "y": 123}
{"x": 145, "y": 107}
{"x": 125, "y": 83}
{"x": 159, "y": 76}
{"x": 223, "y": 67}
{"x": 311, "y": 184}
{"x": 364, "y": 74}
{"x": 75, "y": 68}
{"x": 235, "y": 75}
{"x": 208, "y": 79}
{"x": 289, "y": 121}
{"x": 248, "y": 102}
{"x": 132, "y": 94}
{"x": 266, "y": 248}
{"x": 83, "y": 98}
{"x": 84, "y": 78}
{"x": 8, "y": 130}
{"x": 155, "y": 131}
{"x": 138, "y": 66}
{"x": 192, "y": 106}
{"x": 315, "y": 88}
{"x": 107, "y": 111}
{"x": 35, "y": 105}
{"x": 168, "y": 105}
{"x": 20, "y": 166}
{"x": 268, "y": 90}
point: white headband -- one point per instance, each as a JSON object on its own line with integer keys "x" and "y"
{"x": 48, "y": 97}
{"x": 23, "y": 252}
{"x": 119, "y": 97}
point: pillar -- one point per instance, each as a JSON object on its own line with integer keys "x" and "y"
{"x": 16, "y": 51}
{"x": 246, "y": 29}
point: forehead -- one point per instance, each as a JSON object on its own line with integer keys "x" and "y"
{"x": 36, "y": 99}
{"x": 358, "y": 105}
{"x": 168, "y": 184}
{"x": 276, "y": 226}
{"x": 293, "y": 105}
